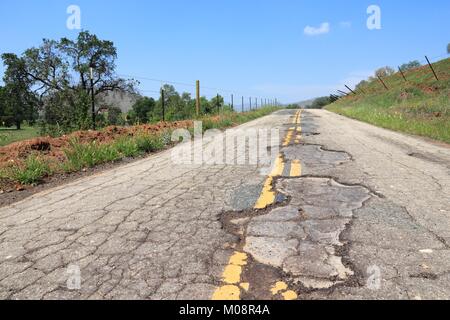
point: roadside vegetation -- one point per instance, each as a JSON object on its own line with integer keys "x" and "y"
{"x": 48, "y": 87}
{"x": 321, "y": 102}
{"x": 30, "y": 162}
{"x": 8, "y": 135}
{"x": 419, "y": 106}
{"x": 46, "y": 116}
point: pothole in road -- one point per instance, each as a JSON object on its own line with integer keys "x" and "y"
{"x": 310, "y": 134}
{"x": 300, "y": 240}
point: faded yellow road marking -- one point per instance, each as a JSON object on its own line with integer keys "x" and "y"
{"x": 288, "y": 138}
{"x": 227, "y": 292}
{"x": 239, "y": 259}
{"x": 296, "y": 168}
{"x": 231, "y": 277}
{"x": 267, "y": 196}
{"x": 299, "y": 117}
{"x": 278, "y": 287}
{"x": 232, "y": 274}
{"x": 290, "y": 134}
{"x": 294, "y": 120}
{"x": 245, "y": 286}
{"x": 231, "y": 290}
{"x": 282, "y": 288}
{"x": 289, "y": 295}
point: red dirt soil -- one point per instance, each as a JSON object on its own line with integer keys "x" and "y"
{"x": 53, "y": 148}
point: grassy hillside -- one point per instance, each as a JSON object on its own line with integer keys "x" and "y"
{"x": 420, "y": 106}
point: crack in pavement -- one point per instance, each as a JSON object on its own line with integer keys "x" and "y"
{"x": 300, "y": 238}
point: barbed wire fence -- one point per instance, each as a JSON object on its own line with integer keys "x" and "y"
{"x": 425, "y": 64}
{"x": 234, "y": 99}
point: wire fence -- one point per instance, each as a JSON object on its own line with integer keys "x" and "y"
{"x": 240, "y": 102}
{"x": 426, "y": 64}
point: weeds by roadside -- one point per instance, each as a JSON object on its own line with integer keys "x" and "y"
{"x": 32, "y": 171}
{"x": 78, "y": 155}
{"x": 420, "y": 106}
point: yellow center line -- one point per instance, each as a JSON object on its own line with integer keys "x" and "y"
{"x": 294, "y": 120}
{"x": 288, "y": 138}
{"x": 231, "y": 277}
{"x": 299, "y": 117}
{"x": 282, "y": 288}
{"x": 296, "y": 168}
{"x": 232, "y": 286}
{"x": 268, "y": 195}
{"x": 290, "y": 134}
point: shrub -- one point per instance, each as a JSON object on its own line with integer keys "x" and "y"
{"x": 410, "y": 65}
{"x": 126, "y": 146}
{"x": 149, "y": 143}
{"x": 32, "y": 171}
{"x": 81, "y": 155}
{"x": 384, "y": 72}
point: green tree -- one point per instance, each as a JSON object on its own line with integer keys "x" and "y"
{"x": 59, "y": 72}
{"x": 205, "y": 106}
{"x": 361, "y": 84}
{"x": 5, "y": 120}
{"x": 410, "y": 65}
{"x": 384, "y": 72}
{"x": 320, "y": 102}
{"x": 143, "y": 109}
{"x": 217, "y": 103}
{"x": 448, "y": 48}
{"x": 176, "y": 106}
{"x": 114, "y": 117}
{"x": 18, "y": 101}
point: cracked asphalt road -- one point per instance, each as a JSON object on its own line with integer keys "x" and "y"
{"x": 360, "y": 213}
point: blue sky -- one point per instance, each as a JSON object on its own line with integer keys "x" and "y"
{"x": 251, "y": 47}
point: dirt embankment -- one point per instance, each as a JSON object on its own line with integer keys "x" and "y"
{"x": 53, "y": 148}
{"x": 52, "y": 151}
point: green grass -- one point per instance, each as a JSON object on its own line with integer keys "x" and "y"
{"x": 420, "y": 106}
{"x": 150, "y": 143}
{"x": 31, "y": 171}
{"x": 87, "y": 155}
{"x": 8, "y": 136}
{"x": 79, "y": 156}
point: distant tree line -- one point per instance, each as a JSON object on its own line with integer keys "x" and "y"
{"x": 51, "y": 85}
{"x": 388, "y": 71}
{"x": 176, "y": 107}
{"x": 321, "y": 102}
{"x": 54, "y": 82}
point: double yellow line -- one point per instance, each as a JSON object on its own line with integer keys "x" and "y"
{"x": 231, "y": 277}
{"x": 267, "y": 196}
{"x": 294, "y": 131}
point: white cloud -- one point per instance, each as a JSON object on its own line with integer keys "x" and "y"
{"x": 312, "y": 31}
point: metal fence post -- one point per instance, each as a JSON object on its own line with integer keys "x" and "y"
{"x": 432, "y": 69}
